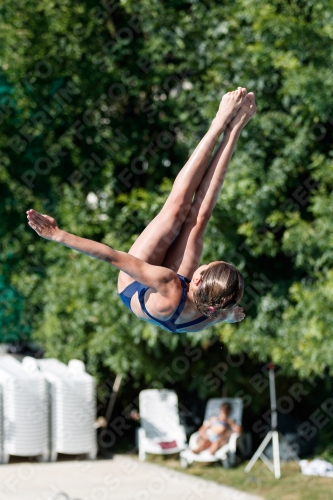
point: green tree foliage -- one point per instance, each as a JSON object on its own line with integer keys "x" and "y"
{"x": 110, "y": 99}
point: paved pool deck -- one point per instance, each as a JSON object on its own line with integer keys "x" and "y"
{"x": 120, "y": 478}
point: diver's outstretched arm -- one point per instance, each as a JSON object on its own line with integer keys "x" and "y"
{"x": 163, "y": 280}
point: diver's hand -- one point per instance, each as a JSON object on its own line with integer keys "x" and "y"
{"x": 45, "y": 226}
{"x": 235, "y": 315}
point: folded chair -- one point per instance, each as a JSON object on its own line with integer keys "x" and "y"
{"x": 227, "y": 453}
{"x": 160, "y": 432}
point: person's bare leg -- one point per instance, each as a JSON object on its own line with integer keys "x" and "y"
{"x": 218, "y": 444}
{"x": 153, "y": 243}
{"x": 211, "y": 184}
{"x": 185, "y": 252}
{"x": 203, "y": 445}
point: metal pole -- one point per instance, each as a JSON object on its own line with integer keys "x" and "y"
{"x": 272, "y": 396}
{"x": 275, "y": 434}
{"x": 272, "y": 435}
{"x": 113, "y": 397}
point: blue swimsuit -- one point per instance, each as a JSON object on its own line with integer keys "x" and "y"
{"x": 169, "y": 325}
{"x": 214, "y": 437}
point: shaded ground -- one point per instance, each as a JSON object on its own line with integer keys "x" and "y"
{"x": 260, "y": 481}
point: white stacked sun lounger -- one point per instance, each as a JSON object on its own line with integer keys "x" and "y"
{"x": 73, "y": 408}
{"x": 25, "y": 410}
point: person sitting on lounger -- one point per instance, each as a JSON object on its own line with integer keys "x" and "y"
{"x": 215, "y": 432}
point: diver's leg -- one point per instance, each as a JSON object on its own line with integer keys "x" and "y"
{"x": 184, "y": 254}
{"x": 153, "y": 243}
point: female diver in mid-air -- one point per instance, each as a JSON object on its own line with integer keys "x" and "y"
{"x": 152, "y": 282}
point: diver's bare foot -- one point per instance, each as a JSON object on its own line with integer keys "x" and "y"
{"x": 245, "y": 113}
{"x": 230, "y": 104}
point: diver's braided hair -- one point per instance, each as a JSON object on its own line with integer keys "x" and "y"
{"x": 221, "y": 288}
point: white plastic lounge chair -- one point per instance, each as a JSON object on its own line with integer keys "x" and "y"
{"x": 160, "y": 432}
{"x": 227, "y": 453}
